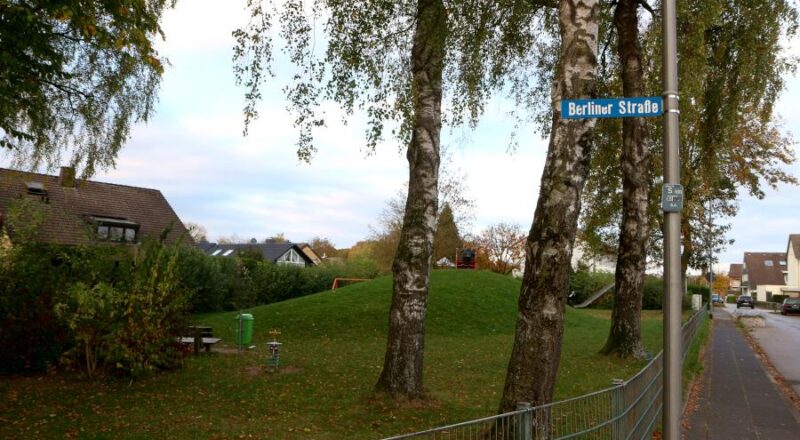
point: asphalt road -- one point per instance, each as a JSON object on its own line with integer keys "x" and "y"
{"x": 779, "y": 339}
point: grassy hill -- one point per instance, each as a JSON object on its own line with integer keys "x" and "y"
{"x": 333, "y": 350}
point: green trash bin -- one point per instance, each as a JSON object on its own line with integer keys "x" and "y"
{"x": 244, "y": 335}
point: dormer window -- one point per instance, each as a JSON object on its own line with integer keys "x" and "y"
{"x": 36, "y": 188}
{"x": 115, "y": 229}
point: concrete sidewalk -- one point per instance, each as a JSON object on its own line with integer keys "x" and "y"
{"x": 737, "y": 399}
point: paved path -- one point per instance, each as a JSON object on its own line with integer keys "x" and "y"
{"x": 738, "y": 400}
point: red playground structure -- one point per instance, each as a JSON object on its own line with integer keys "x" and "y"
{"x": 466, "y": 259}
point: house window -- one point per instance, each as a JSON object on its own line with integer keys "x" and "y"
{"x": 291, "y": 257}
{"x": 115, "y": 229}
{"x": 227, "y": 253}
{"x": 768, "y": 263}
{"x": 782, "y": 263}
{"x": 216, "y": 252}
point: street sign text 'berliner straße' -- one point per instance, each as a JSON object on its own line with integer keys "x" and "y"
{"x": 611, "y": 108}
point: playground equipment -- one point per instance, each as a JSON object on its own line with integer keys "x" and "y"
{"x": 466, "y": 259}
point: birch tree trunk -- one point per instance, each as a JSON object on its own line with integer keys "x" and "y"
{"x": 625, "y": 337}
{"x": 535, "y": 356}
{"x": 402, "y": 368}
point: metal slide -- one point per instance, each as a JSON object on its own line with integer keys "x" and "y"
{"x": 595, "y": 296}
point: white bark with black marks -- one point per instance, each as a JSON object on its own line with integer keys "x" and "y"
{"x": 403, "y": 364}
{"x": 540, "y": 322}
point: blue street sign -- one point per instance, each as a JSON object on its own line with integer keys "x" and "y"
{"x": 611, "y": 108}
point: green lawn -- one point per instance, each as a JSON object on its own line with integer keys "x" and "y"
{"x": 333, "y": 350}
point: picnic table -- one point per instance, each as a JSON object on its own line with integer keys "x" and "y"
{"x": 200, "y": 336}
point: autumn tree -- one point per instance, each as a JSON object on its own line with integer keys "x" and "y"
{"x": 74, "y": 76}
{"x": 536, "y": 353}
{"x": 503, "y": 245}
{"x": 323, "y": 246}
{"x": 720, "y": 284}
{"x": 280, "y": 237}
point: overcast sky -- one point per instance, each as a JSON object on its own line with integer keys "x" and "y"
{"x": 194, "y": 152}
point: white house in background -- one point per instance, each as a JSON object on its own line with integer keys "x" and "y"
{"x": 764, "y": 274}
{"x": 792, "y": 270}
{"x": 583, "y": 258}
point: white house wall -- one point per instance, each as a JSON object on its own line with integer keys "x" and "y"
{"x": 761, "y": 291}
{"x": 792, "y": 267}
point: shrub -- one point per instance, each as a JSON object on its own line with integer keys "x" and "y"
{"x": 130, "y": 326}
{"x": 653, "y": 295}
{"x": 731, "y": 299}
{"x": 32, "y": 276}
{"x": 584, "y": 284}
{"x": 273, "y": 283}
{"x": 202, "y": 277}
{"x": 152, "y": 313}
{"x": 778, "y": 298}
{"x": 92, "y": 314}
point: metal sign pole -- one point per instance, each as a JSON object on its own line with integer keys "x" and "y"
{"x": 672, "y": 230}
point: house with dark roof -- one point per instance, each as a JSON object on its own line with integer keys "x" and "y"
{"x": 73, "y": 211}
{"x": 278, "y": 252}
{"x": 763, "y": 274}
{"x": 735, "y": 279}
{"x": 310, "y": 253}
{"x": 792, "y": 287}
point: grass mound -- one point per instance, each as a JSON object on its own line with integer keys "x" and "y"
{"x": 333, "y": 350}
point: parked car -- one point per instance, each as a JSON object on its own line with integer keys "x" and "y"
{"x": 790, "y": 305}
{"x": 745, "y": 301}
{"x": 716, "y": 299}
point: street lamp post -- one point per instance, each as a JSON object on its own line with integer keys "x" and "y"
{"x": 672, "y": 396}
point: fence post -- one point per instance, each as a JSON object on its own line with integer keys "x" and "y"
{"x": 618, "y": 409}
{"x": 524, "y": 422}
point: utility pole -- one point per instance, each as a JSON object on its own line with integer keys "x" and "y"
{"x": 672, "y": 229}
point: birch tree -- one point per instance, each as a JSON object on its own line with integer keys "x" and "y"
{"x": 394, "y": 61}
{"x": 74, "y": 76}
{"x": 535, "y": 356}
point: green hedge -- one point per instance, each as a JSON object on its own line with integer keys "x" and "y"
{"x": 123, "y": 307}
{"x": 584, "y": 284}
{"x": 731, "y": 299}
{"x": 778, "y": 298}
{"x": 92, "y": 286}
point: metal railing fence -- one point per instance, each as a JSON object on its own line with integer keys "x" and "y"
{"x": 628, "y": 410}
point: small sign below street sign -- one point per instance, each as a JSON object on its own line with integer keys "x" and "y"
{"x": 611, "y": 108}
{"x": 671, "y": 197}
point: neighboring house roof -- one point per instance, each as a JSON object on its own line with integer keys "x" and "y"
{"x": 270, "y": 251}
{"x": 794, "y": 243}
{"x": 73, "y": 205}
{"x": 204, "y": 245}
{"x": 310, "y": 253}
{"x": 764, "y": 268}
{"x": 735, "y": 272}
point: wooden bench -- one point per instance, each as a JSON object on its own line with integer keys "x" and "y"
{"x": 201, "y": 336}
